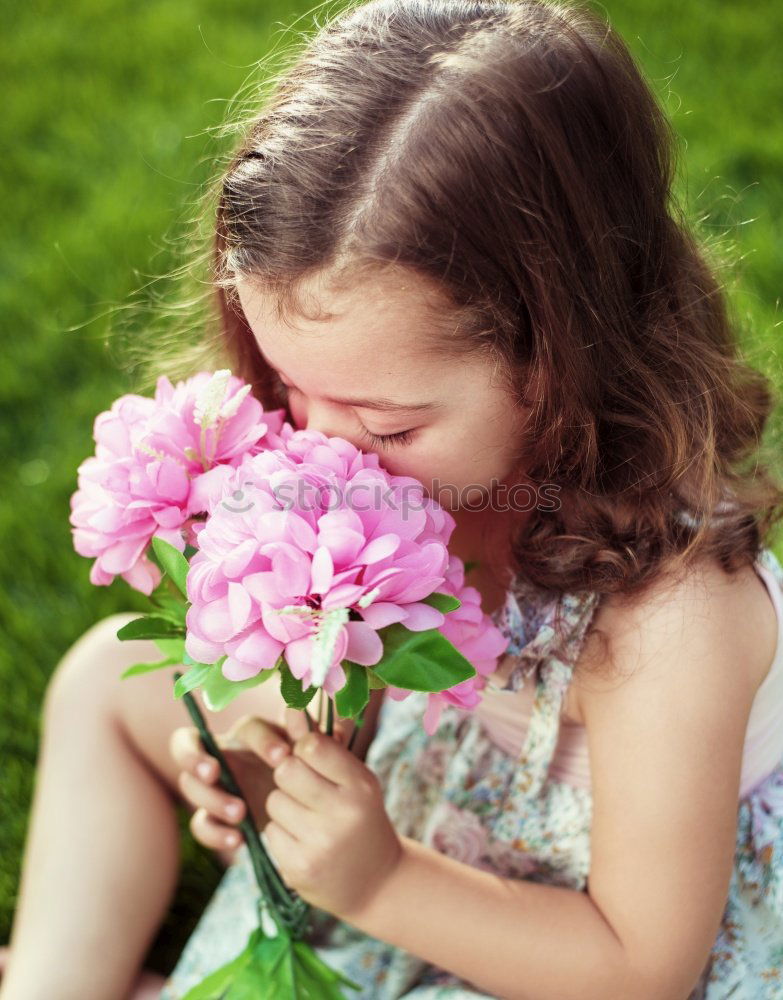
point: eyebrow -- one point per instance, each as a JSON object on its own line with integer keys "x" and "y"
{"x": 381, "y": 403}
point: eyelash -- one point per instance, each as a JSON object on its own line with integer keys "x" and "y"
{"x": 387, "y": 440}
{"x": 376, "y": 440}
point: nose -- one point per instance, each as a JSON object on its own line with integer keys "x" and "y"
{"x": 328, "y": 421}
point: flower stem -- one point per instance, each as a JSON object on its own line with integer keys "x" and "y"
{"x": 287, "y": 904}
{"x": 357, "y": 724}
{"x": 329, "y": 717}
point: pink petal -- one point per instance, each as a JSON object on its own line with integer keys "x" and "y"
{"x": 259, "y": 648}
{"x": 202, "y": 651}
{"x": 171, "y": 481}
{"x": 99, "y": 577}
{"x": 173, "y": 536}
{"x": 214, "y": 620}
{"x": 237, "y": 561}
{"x": 397, "y": 694}
{"x": 300, "y": 532}
{"x": 236, "y": 670}
{"x": 422, "y": 616}
{"x": 122, "y": 555}
{"x": 264, "y": 587}
{"x": 299, "y": 656}
{"x": 432, "y": 714}
{"x": 342, "y": 597}
{"x": 321, "y": 571}
{"x": 379, "y": 548}
{"x": 239, "y": 606}
{"x": 144, "y": 576}
{"x": 382, "y": 613}
{"x": 364, "y": 644}
{"x": 169, "y": 517}
{"x": 293, "y": 568}
{"x": 335, "y": 679}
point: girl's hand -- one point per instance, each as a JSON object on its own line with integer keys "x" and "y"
{"x": 328, "y": 831}
{"x": 246, "y": 746}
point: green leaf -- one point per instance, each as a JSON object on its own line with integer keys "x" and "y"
{"x": 219, "y": 691}
{"x": 172, "y": 647}
{"x": 217, "y": 982}
{"x": 195, "y": 676}
{"x": 146, "y": 668}
{"x": 291, "y": 688}
{"x": 421, "y": 661}
{"x": 169, "y": 607}
{"x": 173, "y": 562}
{"x": 354, "y": 695}
{"x": 375, "y": 683}
{"x": 148, "y": 627}
{"x": 322, "y": 972}
{"x": 442, "y": 602}
{"x": 273, "y": 969}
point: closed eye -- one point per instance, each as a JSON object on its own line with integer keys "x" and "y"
{"x": 387, "y": 440}
{"x": 376, "y": 441}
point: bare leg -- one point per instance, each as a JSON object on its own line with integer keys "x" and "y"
{"x": 102, "y": 852}
{"x": 147, "y": 986}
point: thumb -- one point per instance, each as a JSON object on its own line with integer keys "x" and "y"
{"x": 296, "y": 726}
{"x": 253, "y": 733}
{"x": 342, "y": 731}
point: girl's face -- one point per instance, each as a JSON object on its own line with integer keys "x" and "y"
{"x": 369, "y": 373}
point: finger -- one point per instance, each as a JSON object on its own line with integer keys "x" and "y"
{"x": 329, "y": 759}
{"x": 219, "y": 803}
{"x": 294, "y": 817}
{"x": 296, "y": 725}
{"x": 342, "y": 730}
{"x": 301, "y": 782}
{"x": 208, "y": 831}
{"x": 188, "y": 751}
{"x": 264, "y": 738}
{"x": 280, "y": 845}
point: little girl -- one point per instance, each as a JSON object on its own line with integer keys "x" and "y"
{"x": 450, "y": 237}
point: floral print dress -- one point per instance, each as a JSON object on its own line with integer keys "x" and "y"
{"x": 459, "y": 793}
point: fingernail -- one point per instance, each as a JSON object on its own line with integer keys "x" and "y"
{"x": 204, "y": 769}
{"x": 275, "y": 753}
{"x": 231, "y": 840}
{"x": 233, "y": 810}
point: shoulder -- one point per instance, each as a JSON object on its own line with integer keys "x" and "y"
{"x": 705, "y": 617}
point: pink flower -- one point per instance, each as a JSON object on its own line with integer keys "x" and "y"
{"x": 150, "y": 455}
{"x": 308, "y": 552}
{"x": 474, "y": 635}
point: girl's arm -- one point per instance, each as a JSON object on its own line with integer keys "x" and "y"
{"x": 665, "y": 746}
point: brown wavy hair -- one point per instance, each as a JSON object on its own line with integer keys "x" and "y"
{"x": 513, "y": 156}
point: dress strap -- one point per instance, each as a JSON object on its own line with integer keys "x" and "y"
{"x": 550, "y": 656}
{"x": 770, "y": 561}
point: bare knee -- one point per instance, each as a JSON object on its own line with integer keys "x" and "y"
{"x": 148, "y": 986}
{"x": 87, "y": 672}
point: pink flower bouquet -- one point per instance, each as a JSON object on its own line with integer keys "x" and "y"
{"x": 269, "y": 552}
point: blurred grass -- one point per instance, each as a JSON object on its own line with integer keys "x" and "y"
{"x": 106, "y": 106}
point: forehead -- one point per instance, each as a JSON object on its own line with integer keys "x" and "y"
{"x": 381, "y": 330}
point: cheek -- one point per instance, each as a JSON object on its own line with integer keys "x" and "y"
{"x": 459, "y": 469}
{"x": 452, "y": 472}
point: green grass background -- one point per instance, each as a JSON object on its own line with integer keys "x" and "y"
{"x": 106, "y": 106}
